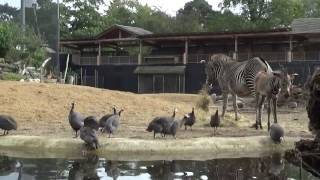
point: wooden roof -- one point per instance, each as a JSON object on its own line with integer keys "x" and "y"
{"x": 118, "y": 34}
{"x": 306, "y": 25}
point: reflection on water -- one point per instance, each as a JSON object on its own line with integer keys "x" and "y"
{"x": 93, "y": 167}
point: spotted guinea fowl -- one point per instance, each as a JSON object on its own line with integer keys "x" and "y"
{"x": 75, "y": 119}
{"x": 103, "y": 120}
{"x": 276, "y": 133}
{"x": 189, "y": 119}
{"x": 215, "y": 122}
{"x": 88, "y": 132}
{"x": 7, "y": 123}
{"x": 113, "y": 123}
{"x": 164, "y": 125}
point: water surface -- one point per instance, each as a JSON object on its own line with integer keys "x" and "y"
{"x": 93, "y": 167}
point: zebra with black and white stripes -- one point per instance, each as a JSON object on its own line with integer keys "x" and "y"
{"x": 234, "y": 77}
{"x": 268, "y": 86}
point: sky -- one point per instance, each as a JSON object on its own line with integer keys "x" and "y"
{"x": 169, "y": 6}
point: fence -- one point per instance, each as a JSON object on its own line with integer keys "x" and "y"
{"x": 108, "y": 60}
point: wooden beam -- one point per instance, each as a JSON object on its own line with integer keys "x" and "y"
{"x": 216, "y": 36}
{"x": 99, "y": 54}
{"x": 235, "y": 53}
{"x": 289, "y": 58}
{"x": 140, "y": 53}
{"x": 185, "y": 54}
{"x": 118, "y": 40}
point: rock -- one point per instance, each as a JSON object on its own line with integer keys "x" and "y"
{"x": 292, "y": 105}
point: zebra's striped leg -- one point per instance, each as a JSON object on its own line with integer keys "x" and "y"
{"x": 274, "y": 101}
{"x": 225, "y": 103}
{"x": 261, "y": 110}
{"x": 269, "y": 111}
{"x": 235, "y": 106}
{"x": 257, "y": 110}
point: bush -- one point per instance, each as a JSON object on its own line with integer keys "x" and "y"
{"x": 10, "y": 76}
{"x": 204, "y": 100}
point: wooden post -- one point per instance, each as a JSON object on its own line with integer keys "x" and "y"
{"x": 99, "y": 54}
{"x": 81, "y": 76}
{"x": 185, "y": 55}
{"x": 85, "y": 76}
{"x": 95, "y": 78}
{"x": 162, "y": 83}
{"x": 66, "y": 69}
{"x": 138, "y": 83}
{"x": 184, "y": 83}
{"x": 289, "y": 58}
{"x": 179, "y": 81}
{"x": 235, "y": 53}
{"x": 140, "y": 53}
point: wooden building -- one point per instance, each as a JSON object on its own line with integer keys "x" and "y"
{"x": 133, "y": 59}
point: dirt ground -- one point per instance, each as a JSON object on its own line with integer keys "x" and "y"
{"x": 42, "y": 110}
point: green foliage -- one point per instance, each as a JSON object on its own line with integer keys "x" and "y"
{"x": 80, "y": 18}
{"x": 10, "y": 76}
{"x": 8, "y": 13}
{"x": 5, "y": 38}
{"x": 283, "y": 12}
{"x": 311, "y": 8}
{"x": 22, "y": 46}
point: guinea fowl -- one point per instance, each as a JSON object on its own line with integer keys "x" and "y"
{"x": 276, "y": 133}
{"x": 7, "y": 123}
{"x": 215, "y": 122}
{"x": 88, "y": 132}
{"x": 103, "y": 120}
{"x": 164, "y": 125}
{"x": 113, "y": 123}
{"x": 75, "y": 119}
{"x": 189, "y": 119}
{"x": 91, "y": 121}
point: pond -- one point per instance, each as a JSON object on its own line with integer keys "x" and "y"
{"x": 93, "y": 167}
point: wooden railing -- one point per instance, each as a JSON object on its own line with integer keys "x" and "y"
{"x": 119, "y": 60}
{"x": 196, "y": 58}
{"x": 108, "y": 60}
{"x": 88, "y": 60}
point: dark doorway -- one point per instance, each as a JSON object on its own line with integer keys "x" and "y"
{"x": 158, "y": 85}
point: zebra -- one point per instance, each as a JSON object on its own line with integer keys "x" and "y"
{"x": 234, "y": 77}
{"x": 268, "y": 86}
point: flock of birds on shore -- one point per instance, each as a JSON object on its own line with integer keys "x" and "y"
{"x": 109, "y": 123}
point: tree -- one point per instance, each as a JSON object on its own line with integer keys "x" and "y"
{"x": 226, "y": 21}
{"x": 5, "y": 37}
{"x": 153, "y": 20}
{"x": 8, "y": 13}
{"x": 21, "y": 46}
{"x": 84, "y": 18}
{"x": 254, "y": 11}
{"x": 194, "y": 16}
{"x": 284, "y": 12}
{"x": 312, "y": 8}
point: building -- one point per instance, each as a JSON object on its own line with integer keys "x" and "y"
{"x": 134, "y": 59}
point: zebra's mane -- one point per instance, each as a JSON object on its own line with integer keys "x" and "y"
{"x": 264, "y": 62}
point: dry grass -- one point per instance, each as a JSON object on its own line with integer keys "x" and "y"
{"x": 42, "y": 109}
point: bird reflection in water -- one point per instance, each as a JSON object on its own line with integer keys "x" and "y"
{"x": 85, "y": 169}
{"x": 112, "y": 169}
